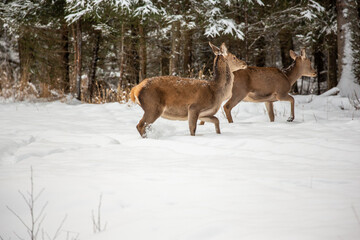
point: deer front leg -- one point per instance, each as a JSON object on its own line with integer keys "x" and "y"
{"x": 227, "y": 109}
{"x": 201, "y": 122}
{"x": 270, "y": 110}
{"x": 214, "y": 120}
{"x": 236, "y": 97}
{"x": 290, "y": 99}
{"x": 193, "y": 115}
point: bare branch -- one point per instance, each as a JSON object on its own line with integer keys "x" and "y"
{"x": 97, "y": 222}
{"x": 77, "y": 236}
{"x": 39, "y": 226}
{"x": 41, "y": 212}
{"x": 18, "y": 217}
{"x": 99, "y": 208}
{"x": 68, "y": 233}
{"x": 38, "y": 195}
{"x": 59, "y": 228}
{"x": 356, "y": 215}
{"x": 27, "y": 201}
{"x": 18, "y": 236}
{"x": 48, "y": 236}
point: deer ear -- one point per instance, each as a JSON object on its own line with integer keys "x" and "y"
{"x": 215, "y": 49}
{"x": 293, "y": 54}
{"x": 303, "y": 53}
{"x": 224, "y": 49}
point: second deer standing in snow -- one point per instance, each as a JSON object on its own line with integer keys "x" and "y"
{"x": 267, "y": 84}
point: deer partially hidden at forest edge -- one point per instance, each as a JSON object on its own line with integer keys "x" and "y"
{"x": 178, "y": 98}
{"x": 267, "y": 84}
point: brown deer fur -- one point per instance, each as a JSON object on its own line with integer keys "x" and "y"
{"x": 178, "y": 98}
{"x": 266, "y": 84}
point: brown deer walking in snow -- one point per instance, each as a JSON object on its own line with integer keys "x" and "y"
{"x": 268, "y": 84}
{"x": 178, "y": 98}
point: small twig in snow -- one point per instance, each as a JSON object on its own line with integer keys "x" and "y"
{"x": 59, "y": 228}
{"x": 315, "y": 117}
{"x": 356, "y": 215}
{"x": 97, "y": 223}
{"x": 34, "y": 226}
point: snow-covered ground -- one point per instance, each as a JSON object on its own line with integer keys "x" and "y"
{"x": 257, "y": 180}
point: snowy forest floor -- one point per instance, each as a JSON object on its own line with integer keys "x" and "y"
{"x": 257, "y": 180}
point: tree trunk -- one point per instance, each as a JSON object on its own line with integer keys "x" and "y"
{"x": 175, "y": 48}
{"x": 246, "y": 29}
{"x": 188, "y": 41}
{"x": 302, "y": 86}
{"x": 134, "y": 55}
{"x": 122, "y": 56}
{"x": 341, "y": 21}
{"x": 356, "y": 41}
{"x": 187, "y": 63}
{"x": 24, "y": 58}
{"x": 260, "y": 58}
{"x": 319, "y": 66}
{"x": 143, "y": 55}
{"x": 73, "y": 81}
{"x": 319, "y": 60}
{"x": 286, "y": 44}
{"x": 164, "y": 58}
{"x": 94, "y": 61}
{"x": 331, "y": 64}
{"x": 65, "y": 59}
{"x": 78, "y": 59}
{"x": 347, "y": 19}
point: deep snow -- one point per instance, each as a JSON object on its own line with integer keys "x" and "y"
{"x": 257, "y": 180}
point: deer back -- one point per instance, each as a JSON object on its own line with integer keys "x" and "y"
{"x": 260, "y": 82}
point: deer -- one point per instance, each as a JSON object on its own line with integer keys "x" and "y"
{"x": 178, "y": 98}
{"x": 268, "y": 84}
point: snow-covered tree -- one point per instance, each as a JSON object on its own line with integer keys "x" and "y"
{"x": 40, "y": 31}
{"x": 355, "y": 29}
{"x": 120, "y": 42}
{"x": 347, "y": 16}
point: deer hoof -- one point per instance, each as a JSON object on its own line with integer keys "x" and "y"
{"x": 290, "y": 119}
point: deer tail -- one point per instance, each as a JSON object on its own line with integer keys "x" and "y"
{"x": 135, "y": 92}
{"x": 132, "y": 94}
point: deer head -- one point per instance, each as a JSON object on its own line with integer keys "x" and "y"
{"x": 303, "y": 63}
{"x": 233, "y": 62}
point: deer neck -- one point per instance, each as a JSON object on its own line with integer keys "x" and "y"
{"x": 223, "y": 78}
{"x": 293, "y": 73}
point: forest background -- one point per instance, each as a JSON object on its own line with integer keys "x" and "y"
{"x": 97, "y": 50}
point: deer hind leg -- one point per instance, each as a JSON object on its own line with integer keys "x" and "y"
{"x": 214, "y": 120}
{"x": 287, "y": 97}
{"x": 193, "y": 115}
{"x": 141, "y": 127}
{"x": 270, "y": 110}
{"x": 148, "y": 118}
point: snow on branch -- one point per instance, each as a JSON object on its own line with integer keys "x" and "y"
{"x": 316, "y": 6}
{"x": 79, "y": 8}
{"x": 147, "y": 9}
{"x": 223, "y": 26}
